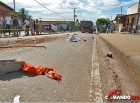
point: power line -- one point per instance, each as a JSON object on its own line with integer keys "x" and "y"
{"x": 49, "y": 9}
{"x": 52, "y": 8}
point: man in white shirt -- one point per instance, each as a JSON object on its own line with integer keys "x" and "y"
{"x": 19, "y": 22}
{"x": 27, "y": 22}
{"x": 8, "y": 20}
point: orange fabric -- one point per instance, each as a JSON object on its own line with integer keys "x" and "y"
{"x": 37, "y": 70}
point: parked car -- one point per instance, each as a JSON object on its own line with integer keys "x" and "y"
{"x": 53, "y": 27}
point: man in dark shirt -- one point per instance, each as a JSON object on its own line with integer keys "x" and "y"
{"x": 16, "y": 25}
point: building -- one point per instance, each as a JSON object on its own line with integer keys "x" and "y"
{"x": 130, "y": 17}
{"x": 5, "y": 9}
{"x": 64, "y": 22}
{"x": 133, "y": 9}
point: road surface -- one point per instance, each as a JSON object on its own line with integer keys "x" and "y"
{"x": 87, "y": 74}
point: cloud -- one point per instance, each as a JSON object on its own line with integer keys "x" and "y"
{"x": 89, "y": 9}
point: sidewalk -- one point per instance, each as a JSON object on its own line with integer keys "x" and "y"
{"x": 9, "y": 40}
{"x": 23, "y": 36}
{"x": 126, "y": 46}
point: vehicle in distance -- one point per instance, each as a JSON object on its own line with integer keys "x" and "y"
{"x": 87, "y": 26}
{"x": 53, "y": 27}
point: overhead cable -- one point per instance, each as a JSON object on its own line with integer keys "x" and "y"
{"x": 49, "y": 9}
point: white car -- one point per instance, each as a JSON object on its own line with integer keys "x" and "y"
{"x": 54, "y": 28}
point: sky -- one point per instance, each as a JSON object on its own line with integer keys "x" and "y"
{"x": 85, "y": 9}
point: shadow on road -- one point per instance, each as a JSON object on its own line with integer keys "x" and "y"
{"x": 14, "y": 75}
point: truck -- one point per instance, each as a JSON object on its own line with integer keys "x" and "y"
{"x": 86, "y": 26}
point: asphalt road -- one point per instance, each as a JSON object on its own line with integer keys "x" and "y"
{"x": 73, "y": 60}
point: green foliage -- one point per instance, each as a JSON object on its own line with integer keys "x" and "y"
{"x": 102, "y": 21}
{"x": 13, "y": 13}
{"x": 23, "y": 13}
{"x": 78, "y": 25}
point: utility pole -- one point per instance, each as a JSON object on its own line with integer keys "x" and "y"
{"x": 14, "y": 4}
{"x": 74, "y": 9}
{"x": 121, "y": 9}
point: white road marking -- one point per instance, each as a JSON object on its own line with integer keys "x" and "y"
{"x": 95, "y": 77}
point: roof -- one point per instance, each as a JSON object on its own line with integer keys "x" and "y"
{"x": 133, "y": 4}
{"x": 123, "y": 15}
{"x": 119, "y": 15}
{"x": 6, "y": 6}
{"x": 56, "y": 19}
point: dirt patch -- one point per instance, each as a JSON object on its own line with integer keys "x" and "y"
{"x": 114, "y": 74}
{"x": 28, "y": 42}
{"x": 109, "y": 78}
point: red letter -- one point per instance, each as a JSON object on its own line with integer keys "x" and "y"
{"x": 117, "y": 92}
{"x": 135, "y": 97}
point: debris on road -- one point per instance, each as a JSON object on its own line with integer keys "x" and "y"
{"x": 109, "y": 54}
{"x": 9, "y": 66}
{"x": 84, "y": 39}
{"x": 14, "y": 65}
{"x": 72, "y": 38}
{"x": 16, "y": 99}
{"x": 38, "y": 70}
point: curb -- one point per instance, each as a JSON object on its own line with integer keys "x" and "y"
{"x": 133, "y": 65}
{"x": 31, "y": 39}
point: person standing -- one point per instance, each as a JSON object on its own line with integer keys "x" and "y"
{"x": 31, "y": 26}
{"x": 40, "y": 27}
{"x": 108, "y": 28}
{"x": 130, "y": 27}
{"x": 100, "y": 28}
{"x": 61, "y": 28}
{"x": 50, "y": 28}
{"x": 16, "y": 25}
{"x": 8, "y": 19}
{"x": 70, "y": 29}
{"x": 34, "y": 24}
{"x": 4, "y": 26}
{"x": 11, "y": 25}
{"x": 27, "y": 22}
{"x": 112, "y": 28}
{"x": 19, "y": 22}
{"x": 1, "y": 20}
{"x": 37, "y": 27}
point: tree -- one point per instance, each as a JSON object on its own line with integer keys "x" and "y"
{"x": 102, "y": 21}
{"x": 13, "y": 13}
{"x": 78, "y": 26}
{"x": 30, "y": 17}
{"x": 24, "y": 13}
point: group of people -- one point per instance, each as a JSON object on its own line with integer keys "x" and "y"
{"x": 35, "y": 26}
{"x": 10, "y": 24}
{"x": 106, "y": 28}
{"x": 128, "y": 27}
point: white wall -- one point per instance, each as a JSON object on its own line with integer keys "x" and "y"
{"x": 133, "y": 9}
